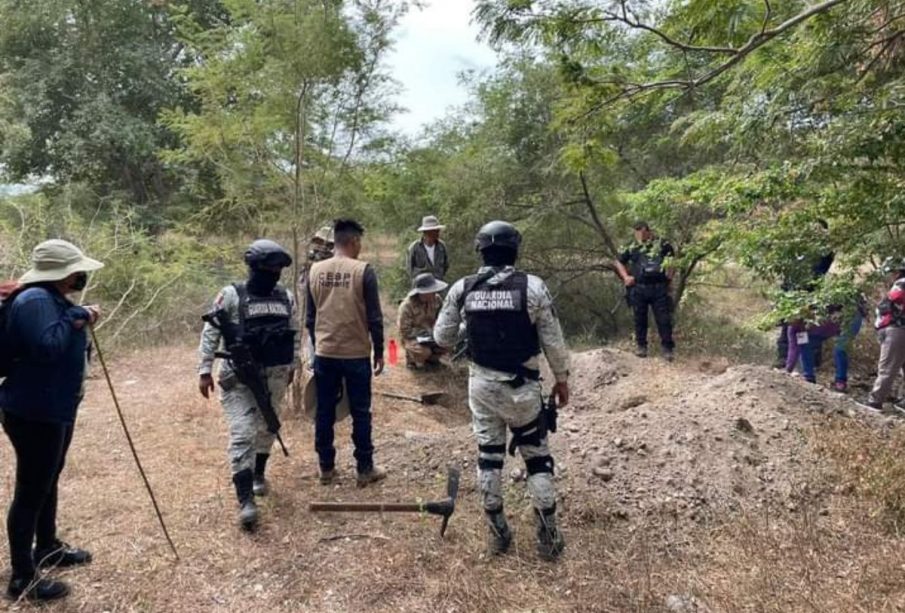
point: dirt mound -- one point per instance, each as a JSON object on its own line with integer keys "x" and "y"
{"x": 644, "y": 436}
{"x": 653, "y": 460}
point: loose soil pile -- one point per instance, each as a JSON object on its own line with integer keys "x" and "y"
{"x": 684, "y": 487}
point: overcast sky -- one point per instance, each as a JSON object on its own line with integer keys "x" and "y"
{"x": 433, "y": 46}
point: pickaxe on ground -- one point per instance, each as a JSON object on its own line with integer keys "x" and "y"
{"x": 443, "y": 508}
{"x": 425, "y": 398}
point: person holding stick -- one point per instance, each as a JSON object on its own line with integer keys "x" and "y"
{"x": 45, "y": 347}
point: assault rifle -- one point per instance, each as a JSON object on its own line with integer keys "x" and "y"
{"x": 550, "y": 413}
{"x": 239, "y": 356}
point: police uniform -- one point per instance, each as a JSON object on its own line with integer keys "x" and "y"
{"x": 509, "y": 319}
{"x": 650, "y": 291}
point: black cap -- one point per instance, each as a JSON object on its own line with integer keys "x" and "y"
{"x": 640, "y": 225}
{"x": 264, "y": 252}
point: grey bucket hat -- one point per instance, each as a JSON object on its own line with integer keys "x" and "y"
{"x": 56, "y": 259}
{"x": 426, "y": 283}
{"x": 430, "y": 222}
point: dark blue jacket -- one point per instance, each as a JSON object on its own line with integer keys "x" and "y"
{"x": 46, "y": 383}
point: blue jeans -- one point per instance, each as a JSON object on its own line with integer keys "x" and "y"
{"x": 809, "y": 352}
{"x": 843, "y": 342}
{"x": 329, "y": 374}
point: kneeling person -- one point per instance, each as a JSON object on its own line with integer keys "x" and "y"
{"x": 509, "y": 320}
{"x": 262, "y": 312}
{"x": 417, "y": 315}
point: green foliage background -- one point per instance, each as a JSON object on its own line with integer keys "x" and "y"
{"x": 166, "y": 134}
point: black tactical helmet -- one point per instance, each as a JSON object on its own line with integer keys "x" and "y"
{"x": 265, "y": 252}
{"x": 497, "y": 234}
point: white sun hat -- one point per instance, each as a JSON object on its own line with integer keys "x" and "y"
{"x": 430, "y": 222}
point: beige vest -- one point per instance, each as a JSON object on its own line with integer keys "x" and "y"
{"x": 341, "y": 321}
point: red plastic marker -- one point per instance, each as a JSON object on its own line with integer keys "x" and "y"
{"x": 393, "y": 351}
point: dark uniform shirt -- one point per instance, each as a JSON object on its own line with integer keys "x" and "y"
{"x": 644, "y": 261}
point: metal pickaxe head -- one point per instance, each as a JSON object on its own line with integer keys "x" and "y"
{"x": 447, "y": 506}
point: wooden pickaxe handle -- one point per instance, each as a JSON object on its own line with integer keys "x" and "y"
{"x": 365, "y": 507}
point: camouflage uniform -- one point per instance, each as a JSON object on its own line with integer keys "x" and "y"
{"x": 495, "y": 404}
{"x": 248, "y": 434}
{"x": 416, "y": 318}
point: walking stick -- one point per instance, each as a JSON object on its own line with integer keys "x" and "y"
{"x": 122, "y": 421}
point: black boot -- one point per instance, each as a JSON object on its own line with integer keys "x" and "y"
{"x": 31, "y": 588}
{"x": 550, "y": 542}
{"x": 60, "y": 555}
{"x": 260, "y": 485}
{"x": 248, "y": 510}
{"x": 500, "y": 536}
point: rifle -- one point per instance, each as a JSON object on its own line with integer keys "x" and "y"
{"x": 239, "y": 356}
{"x": 460, "y": 350}
{"x": 550, "y": 413}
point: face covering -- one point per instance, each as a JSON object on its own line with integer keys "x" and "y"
{"x": 262, "y": 282}
{"x": 79, "y": 282}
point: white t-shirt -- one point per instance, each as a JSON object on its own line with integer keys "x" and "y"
{"x": 431, "y": 249}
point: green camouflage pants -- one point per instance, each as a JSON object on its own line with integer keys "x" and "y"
{"x": 496, "y": 406}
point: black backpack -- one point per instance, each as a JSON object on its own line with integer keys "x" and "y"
{"x": 7, "y": 352}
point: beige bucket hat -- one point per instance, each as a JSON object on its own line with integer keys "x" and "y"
{"x": 430, "y": 222}
{"x": 56, "y": 259}
{"x": 426, "y": 283}
{"x": 310, "y": 396}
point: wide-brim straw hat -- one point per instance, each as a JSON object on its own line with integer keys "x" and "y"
{"x": 310, "y": 396}
{"x": 426, "y": 283}
{"x": 56, "y": 259}
{"x": 430, "y": 222}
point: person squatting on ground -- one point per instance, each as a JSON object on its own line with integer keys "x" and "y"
{"x": 890, "y": 325}
{"x": 428, "y": 254}
{"x": 416, "y": 319}
{"x": 345, "y": 322}
{"x": 642, "y": 270}
{"x": 263, "y": 311}
{"x": 45, "y": 354}
{"x": 509, "y": 319}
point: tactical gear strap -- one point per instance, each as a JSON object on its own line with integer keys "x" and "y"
{"x": 531, "y": 434}
{"x": 488, "y": 464}
{"x": 540, "y": 464}
{"x": 492, "y": 448}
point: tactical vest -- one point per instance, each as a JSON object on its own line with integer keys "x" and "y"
{"x": 500, "y": 333}
{"x": 264, "y": 323}
{"x": 647, "y": 264}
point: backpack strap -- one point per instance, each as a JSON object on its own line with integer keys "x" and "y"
{"x": 242, "y": 291}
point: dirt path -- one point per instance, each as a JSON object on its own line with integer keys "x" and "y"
{"x": 669, "y": 500}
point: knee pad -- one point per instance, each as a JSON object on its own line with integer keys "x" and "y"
{"x": 539, "y": 464}
{"x": 485, "y": 463}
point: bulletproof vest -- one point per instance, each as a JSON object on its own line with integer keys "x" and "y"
{"x": 264, "y": 323}
{"x": 648, "y": 266}
{"x": 500, "y": 333}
